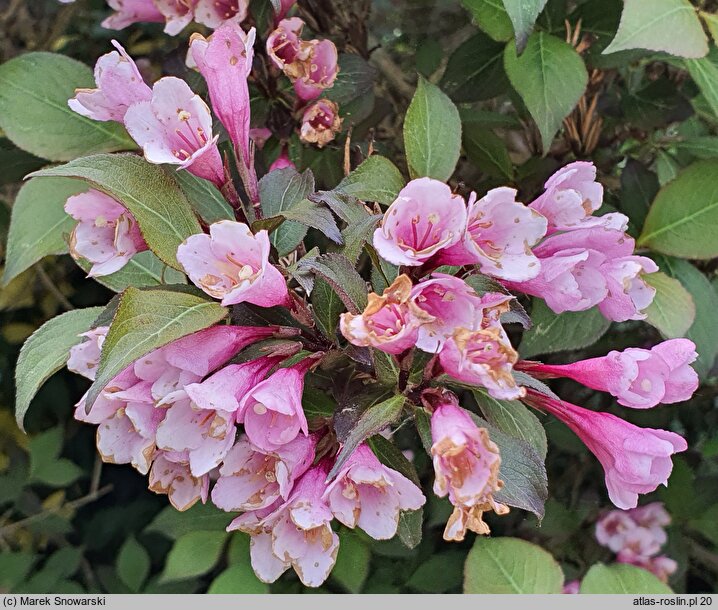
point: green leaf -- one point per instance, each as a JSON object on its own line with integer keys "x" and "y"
{"x": 308, "y": 213}
{"x": 639, "y": 186}
{"x": 14, "y": 568}
{"x": 279, "y": 191}
{"x": 475, "y": 70}
{"x": 487, "y": 151}
{"x": 441, "y": 573}
{"x": 46, "y": 352}
{"x": 523, "y": 15}
{"x": 375, "y": 179}
{"x": 510, "y": 565}
{"x": 45, "y": 464}
{"x": 701, "y": 147}
{"x": 193, "y": 554}
{"x": 163, "y": 213}
{"x": 491, "y": 17}
{"x": 683, "y": 219}
{"x": 326, "y": 307}
{"x": 711, "y": 21}
{"x": 621, "y": 578}
{"x": 133, "y": 564}
{"x": 353, "y": 559}
{"x": 203, "y": 196}
{"x": 386, "y": 368}
{"x": 373, "y": 420}
{"x": 34, "y": 90}
{"x": 550, "y": 77}
{"x": 238, "y": 579}
{"x": 357, "y": 234}
{"x": 389, "y": 455}
{"x": 39, "y": 224}
{"x": 410, "y": 529}
{"x": 705, "y": 74}
{"x": 554, "y": 332}
{"x": 174, "y": 524}
{"x": 423, "y": 427}
{"x": 146, "y": 320}
{"x": 143, "y": 270}
{"x": 514, "y": 419}
{"x": 432, "y": 133}
{"x": 341, "y": 275}
{"x": 672, "y": 311}
{"x": 355, "y": 79}
{"x": 653, "y": 26}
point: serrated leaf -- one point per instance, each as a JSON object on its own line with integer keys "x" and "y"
{"x": 704, "y": 72}
{"x": 386, "y": 368}
{"x": 375, "y": 179}
{"x": 487, "y": 152}
{"x": 523, "y": 15}
{"x": 143, "y": 270}
{"x": 34, "y": 89}
{"x": 203, "y": 196}
{"x": 410, "y": 530}
{"x": 133, "y": 564}
{"x": 355, "y": 79}
{"x": 423, "y": 427}
{"x": 146, "y": 320}
{"x": 491, "y": 17}
{"x": 309, "y": 214}
{"x": 357, "y": 234}
{"x": 672, "y": 311}
{"x": 432, "y": 133}
{"x": 621, "y": 578}
{"x": 341, "y": 275}
{"x": 326, "y": 307}
{"x": 46, "y": 352}
{"x": 389, "y": 455}
{"x": 161, "y": 209}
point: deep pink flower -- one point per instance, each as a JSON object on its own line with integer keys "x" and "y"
{"x": 215, "y": 13}
{"x": 119, "y": 85}
{"x": 572, "y": 587}
{"x": 107, "y": 235}
{"x": 318, "y": 71}
{"x": 425, "y": 218}
{"x": 225, "y": 61}
{"x": 286, "y": 6}
{"x": 638, "y": 378}
{"x": 178, "y": 14}
{"x": 252, "y": 479}
{"x": 175, "y": 127}
{"x": 499, "y": 235}
{"x": 285, "y": 47}
{"x": 628, "y": 293}
{"x": 260, "y": 135}
{"x": 282, "y": 161}
{"x": 367, "y": 494}
{"x": 635, "y": 460}
{"x": 174, "y": 479}
{"x": 389, "y": 323}
{"x": 320, "y": 123}
{"x": 232, "y": 264}
{"x": 466, "y": 468}
{"x": 296, "y": 533}
{"x": 85, "y": 357}
{"x": 128, "y": 12}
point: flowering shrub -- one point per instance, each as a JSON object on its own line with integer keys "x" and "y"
{"x": 317, "y": 331}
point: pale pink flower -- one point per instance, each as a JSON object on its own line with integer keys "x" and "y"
{"x": 662, "y": 567}
{"x": 107, "y": 235}
{"x": 174, "y": 479}
{"x": 367, "y": 494}
{"x": 108, "y": 403}
{"x": 635, "y": 460}
{"x": 499, "y": 235}
{"x": 425, "y": 218}
{"x": 654, "y": 516}
{"x": 320, "y": 123}
{"x": 119, "y": 85}
{"x": 272, "y": 411}
{"x": 296, "y": 533}
{"x": 214, "y": 13}
{"x": 128, "y": 12}
{"x": 466, "y": 469}
{"x": 225, "y": 61}
{"x": 175, "y": 127}
{"x": 638, "y": 378}
{"x": 178, "y": 14}
{"x": 612, "y": 528}
{"x": 252, "y": 479}
{"x": 85, "y": 357}
{"x": 232, "y": 264}
{"x": 389, "y": 323}
{"x": 628, "y": 293}
{"x": 285, "y": 47}
{"x": 282, "y": 161}
{"x": 318, "y": 71}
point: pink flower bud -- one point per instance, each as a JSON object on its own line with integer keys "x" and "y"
{"x": 174, "y": 479}
{"x": 119, "y": 85}
{"x": 425, "y": 218}
{"x": 318, "y": 70}
{"x": 215, "y": 13}
{"x": 260, "y": 135}
{"x": 106, "y": 235}
{"x": 367, "y": 494}
{"x": 282, "y": 161}
{"x": 572, "y": 587}
{"x": 85, "y": 357}
{"x": 128, "y": 12}
{"x": 466, "y": 468}
{"x": 320, "y": 123}
{"x": 232, "y": 264}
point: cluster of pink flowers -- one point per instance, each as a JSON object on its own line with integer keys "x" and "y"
{"x": 636, "y": 536}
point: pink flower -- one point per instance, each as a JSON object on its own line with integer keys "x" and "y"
{"x": 286, "y": 6}
{"x": 425, "y": 218}
{"x": 367, "y": 494}
{"x": 225, "y": 61}
{"x": 252, "y": 479}
{"x": 638, "y": 378}
{"x": 572, "y": 195}
{"x": 119, "y": 85}
{"x": 285, "y": 47}
{"x": 85, "y": 357}
{"x": 318, "y": 70}
{"x": 572, "y": 587}
{"x": 175, "y": 127}
{"x": 128, "y": 12}
{"x": 282, "y": 161}
{"x": 628, "y": 293}
{"x": 232, "y": 264}
{"x": 178, "y": 14}
{"x": 272, "y": 411}
{"x": 635, "y": 460}
{"x": 260, "y": 135}
{"x": 662, "y": 567}
{"x": 482, "y": 357}
{"x": 108, "y": 403}
{"x": 214, "y": 13}
{"x": 499, "y": 236}
{"x": 449, "y": 303}
{"x": 389, "y": 323}
{"x": 653, "y": 516}
{"x": 106, "y": 235}
{"x": 611, "y": 529}
{"x": 466, "y": 468}
{"x": 320, "y": 123}
{"x": 295, "y": 534}
{"x": 174, "y": 479}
